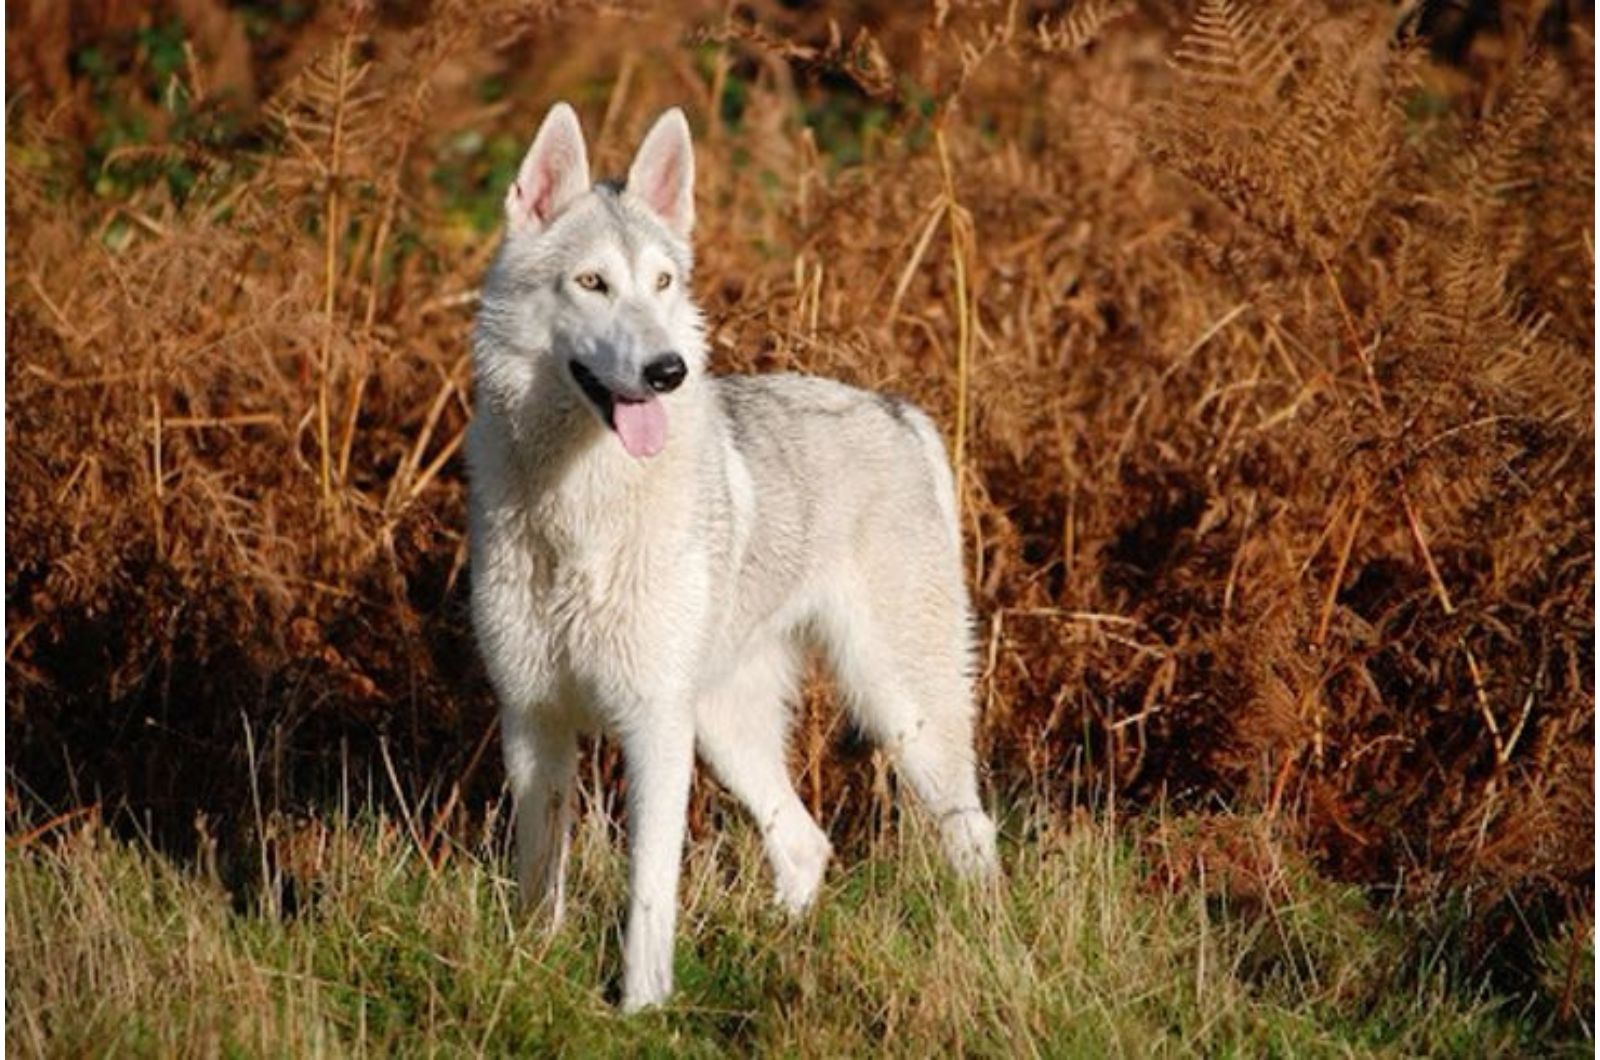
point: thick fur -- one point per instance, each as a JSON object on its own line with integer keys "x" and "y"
{"x": 667, "y": 601}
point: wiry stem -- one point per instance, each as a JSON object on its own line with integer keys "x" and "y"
{"x": 960, "y": 248}
{"x": 330, "y": 272}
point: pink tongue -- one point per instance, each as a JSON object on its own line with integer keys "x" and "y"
{"x": 642, "y": 426}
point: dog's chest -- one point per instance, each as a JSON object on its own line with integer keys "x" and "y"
{"x": 587, "y": 574}
{"x": 612, "y": 595}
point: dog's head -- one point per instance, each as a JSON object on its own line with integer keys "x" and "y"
{"x": 592, "y": 281}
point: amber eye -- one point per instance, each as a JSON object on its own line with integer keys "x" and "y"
{"x": 590, "y": 281}
{"x": 663, "y": 281}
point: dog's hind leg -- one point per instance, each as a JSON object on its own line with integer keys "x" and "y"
{"x": 541, "y": 759}
{"x": 934, "y": 755}
{"x": 904, "y": 677}
{"x": 742, "y": 730}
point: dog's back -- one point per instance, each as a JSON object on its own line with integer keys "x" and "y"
{"x": 844, "y": 485}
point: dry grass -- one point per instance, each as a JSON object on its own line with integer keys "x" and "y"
{"x": 1093, "y": 947}
{"x": 1266, "y": 343}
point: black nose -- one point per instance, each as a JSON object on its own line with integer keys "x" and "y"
{"x": 665, "y": 373}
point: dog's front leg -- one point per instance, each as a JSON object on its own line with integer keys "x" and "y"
{"x": 658, "y": 754}
{"x": 541, "y": 759}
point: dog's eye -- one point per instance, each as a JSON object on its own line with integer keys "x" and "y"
{"x": 663, "y": 281}
{"x": 590, "y": 281}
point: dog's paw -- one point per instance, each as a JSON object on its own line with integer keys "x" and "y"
{"x": 644, "y": 991}
{"x": 642, "y": 1001}
{"x": 799, "y": 860}
{"x": 969, "y": 842}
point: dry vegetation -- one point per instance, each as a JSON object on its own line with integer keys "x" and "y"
{"x": 1264, "y": 339}
{"x": 110, "y": 950}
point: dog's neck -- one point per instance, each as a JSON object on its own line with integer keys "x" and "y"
{"x": 557, "y": 448}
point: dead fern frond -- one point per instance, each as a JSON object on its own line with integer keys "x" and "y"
{"x": 1552, "y": 379}
{"x": 329, "y": 105}
{"x": 862, "y": 60}
{"x": 1337, "y": 137}
{"x": 1468, "y": 297}
{"x": 1299, "y": 130}
{"x": 1501, "y": 167}
{"x": 1079, "y": 26}
{"x": 1462, "y": 266}
{"x": 1279, "y": 127}
{"x": 1236, "y": 48}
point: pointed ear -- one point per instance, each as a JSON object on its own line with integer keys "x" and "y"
{"x": 554, "y": 172}
{"x": 662, "y": 174}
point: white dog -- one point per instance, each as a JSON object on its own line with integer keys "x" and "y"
{"x": 653, "y": 548}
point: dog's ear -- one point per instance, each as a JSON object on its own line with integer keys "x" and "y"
{"x": 554, "y": 172}
{"x": 662, "y": 174}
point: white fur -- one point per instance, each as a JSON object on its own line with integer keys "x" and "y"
{"x": 667, "y": 601}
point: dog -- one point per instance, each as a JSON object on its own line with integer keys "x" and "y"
{"x": 653, "y": 548}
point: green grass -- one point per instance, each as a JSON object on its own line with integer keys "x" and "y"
{"x": 1091, "y": 947}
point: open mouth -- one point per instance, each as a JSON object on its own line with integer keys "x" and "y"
{"x": 604, "y": 400}
{"x": 639, "y": 423}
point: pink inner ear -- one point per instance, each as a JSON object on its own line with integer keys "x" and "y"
{"x": 535, "y": 188}
{"x": 538, "y": 202}
{"x": 665, "y": 180}
{"x": 534, "y": 202}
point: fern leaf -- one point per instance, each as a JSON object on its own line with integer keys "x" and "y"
{"x": 1236, "y": 49}
{"x": 1080, "y": 26}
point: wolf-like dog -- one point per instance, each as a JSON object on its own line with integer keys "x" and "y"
{"x": 652, "y": 548}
